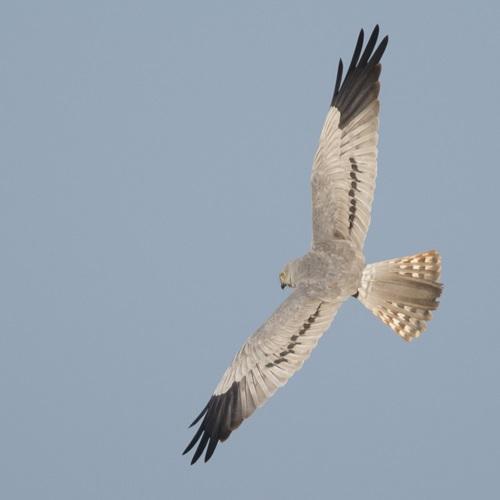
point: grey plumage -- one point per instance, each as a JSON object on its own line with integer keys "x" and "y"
{"x": 401, "y": 292}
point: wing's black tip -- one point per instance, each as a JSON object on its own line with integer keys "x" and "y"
{"x": 220, "y": 416}
{"x": 198, "y": 418}
{"x": 211, "y": 448}
{"x": 340, "y": 70}
{"x": 193, "y": 441}
{"x": 359, "y": 87}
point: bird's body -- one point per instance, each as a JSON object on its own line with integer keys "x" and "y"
{"x": 331, "y": 274}
{"x": 401, "y": 292}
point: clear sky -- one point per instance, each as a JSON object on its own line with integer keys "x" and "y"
{"x": 154, "y": 177}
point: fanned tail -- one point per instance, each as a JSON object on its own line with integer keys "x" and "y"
{"x": 403, "y": 292}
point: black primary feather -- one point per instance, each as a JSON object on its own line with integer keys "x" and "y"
{"x": 221, "y": 416}
{"x": 360, "y": 86}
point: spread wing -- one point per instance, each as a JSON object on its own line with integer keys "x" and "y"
{"x": 345, "y": 165}
{"x": 265, "y": 362}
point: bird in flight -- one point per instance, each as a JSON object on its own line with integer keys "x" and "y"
{"x": 402, "y": 292}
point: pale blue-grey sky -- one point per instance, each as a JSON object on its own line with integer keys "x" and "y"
{"x": 154, "y": 177}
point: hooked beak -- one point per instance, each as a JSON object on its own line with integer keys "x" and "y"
{"x": 283, "y": 286}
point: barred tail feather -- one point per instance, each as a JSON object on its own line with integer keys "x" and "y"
{"x": 403, "y": 292}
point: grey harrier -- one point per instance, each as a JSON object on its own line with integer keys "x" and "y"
{"x": 401, "y": 292}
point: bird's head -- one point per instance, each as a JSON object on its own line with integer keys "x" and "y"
{"x": 286, "y": 277}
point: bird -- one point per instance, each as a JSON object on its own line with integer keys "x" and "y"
{"x": 402, "y": 292}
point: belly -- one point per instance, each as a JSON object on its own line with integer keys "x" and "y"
{"x": 337, "y": 273}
